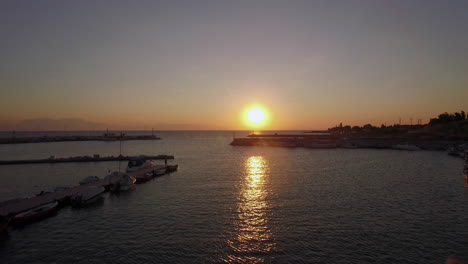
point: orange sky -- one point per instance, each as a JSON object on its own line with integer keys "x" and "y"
{"x": 312, "y": 64}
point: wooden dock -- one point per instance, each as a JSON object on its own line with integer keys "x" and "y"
{"x": 13, "y": 207}
{"x": 95, "y": 158}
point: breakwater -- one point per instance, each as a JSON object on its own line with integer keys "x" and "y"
{"x": 43, "y": 139}
{"x": 94, "y": 158}
{"x": 336, "y": 141}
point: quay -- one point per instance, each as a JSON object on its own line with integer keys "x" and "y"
{"x": 94, "y": 158}
{"x": 105, "y": 137}
{"x": 16, "y": 206}
{"x": 330, "y": 140}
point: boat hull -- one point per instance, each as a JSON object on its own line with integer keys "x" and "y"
{"x": 30, "y": 216}
{"x": 77, "y": 202}
{"x": 160, "y": 172}
{"x": 172, "y": 168}
{"x": 143, "y": 178}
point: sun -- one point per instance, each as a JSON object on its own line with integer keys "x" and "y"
{"x": 256, "y": 116}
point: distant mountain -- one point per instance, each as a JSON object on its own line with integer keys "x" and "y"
{"x": 58, "y": 124}
{"x": 76, "y": 124}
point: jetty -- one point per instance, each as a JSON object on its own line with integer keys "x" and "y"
{"x": 348, "y": 141}
{"x": 94, "y": 158}
{"x": 105, "y": 137}
{"x": 16, "y": 206}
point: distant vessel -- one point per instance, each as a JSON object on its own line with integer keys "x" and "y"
{"x": 36, "y": 213}
{"x": 406, "y": 147}
{"x": 138, "y": 163}
{"x": 457, "y": 151}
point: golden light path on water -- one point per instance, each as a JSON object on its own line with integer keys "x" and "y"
{"x": 252, "y": 238}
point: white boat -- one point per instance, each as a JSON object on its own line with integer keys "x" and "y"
{"x": 36, "y": 213}
{"x": 89, "y": 179}
{"x": 138, "y": 163}
{"x": 406, "y": 147}
{"x": 87, "y": 196}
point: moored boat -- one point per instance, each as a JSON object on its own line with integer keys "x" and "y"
{"x": 138, "y": 163}
{"x": 144, "y": 177}
{"x": 160, "y": 171}
{"x": 87, "y": 196}
{"x": 89, "y": 179}
{"x": 125, "y": 183}
{"x": 36, "y": 213}
{"x": 172, "y": 168}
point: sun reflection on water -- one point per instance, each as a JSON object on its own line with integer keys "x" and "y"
{"x": 252, "y": 239}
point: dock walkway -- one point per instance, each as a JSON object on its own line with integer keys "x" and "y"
{"x": 16, "y": 206}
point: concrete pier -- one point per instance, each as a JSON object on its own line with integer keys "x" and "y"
{"x": 95, "y": 158}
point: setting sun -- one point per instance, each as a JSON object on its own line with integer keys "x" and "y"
{"x": 256, "y": 116}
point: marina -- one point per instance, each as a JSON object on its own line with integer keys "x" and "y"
{"x": 62, "y": 196}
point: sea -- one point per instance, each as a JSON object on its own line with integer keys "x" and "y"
{"x": 233, "y": 204}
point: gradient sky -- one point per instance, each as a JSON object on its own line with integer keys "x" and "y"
{"x": 199, "y": 64}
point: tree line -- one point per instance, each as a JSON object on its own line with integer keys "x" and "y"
{"x": 443, "y": 118}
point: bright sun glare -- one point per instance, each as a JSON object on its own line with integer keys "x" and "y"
{"x": 256, "y": 116}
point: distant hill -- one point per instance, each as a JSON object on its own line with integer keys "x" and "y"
{"x": 58, "y": 124}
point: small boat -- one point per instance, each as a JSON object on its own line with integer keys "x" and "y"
{"x": 36, "y": 213}
{"x": 160, "y": 171}
{"x": 4, "y": 222}
{"x": 141, "y": 178}
{"x": 406, "y": 147}
{"x": 89, "y": 179}
{"x": 138, "y": 163}
{"x": 172, "y": 168}
{"x": 87, "y": 196}
{"x": 125, "y": 184}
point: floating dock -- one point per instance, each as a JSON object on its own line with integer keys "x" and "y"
{"x": 95, "y": 158}
{"x": 16, "y": 206}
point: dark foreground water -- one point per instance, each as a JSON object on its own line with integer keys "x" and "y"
{"x": 245, "y": 205}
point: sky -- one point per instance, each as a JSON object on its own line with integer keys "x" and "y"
{"x": 310, "y": 64}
